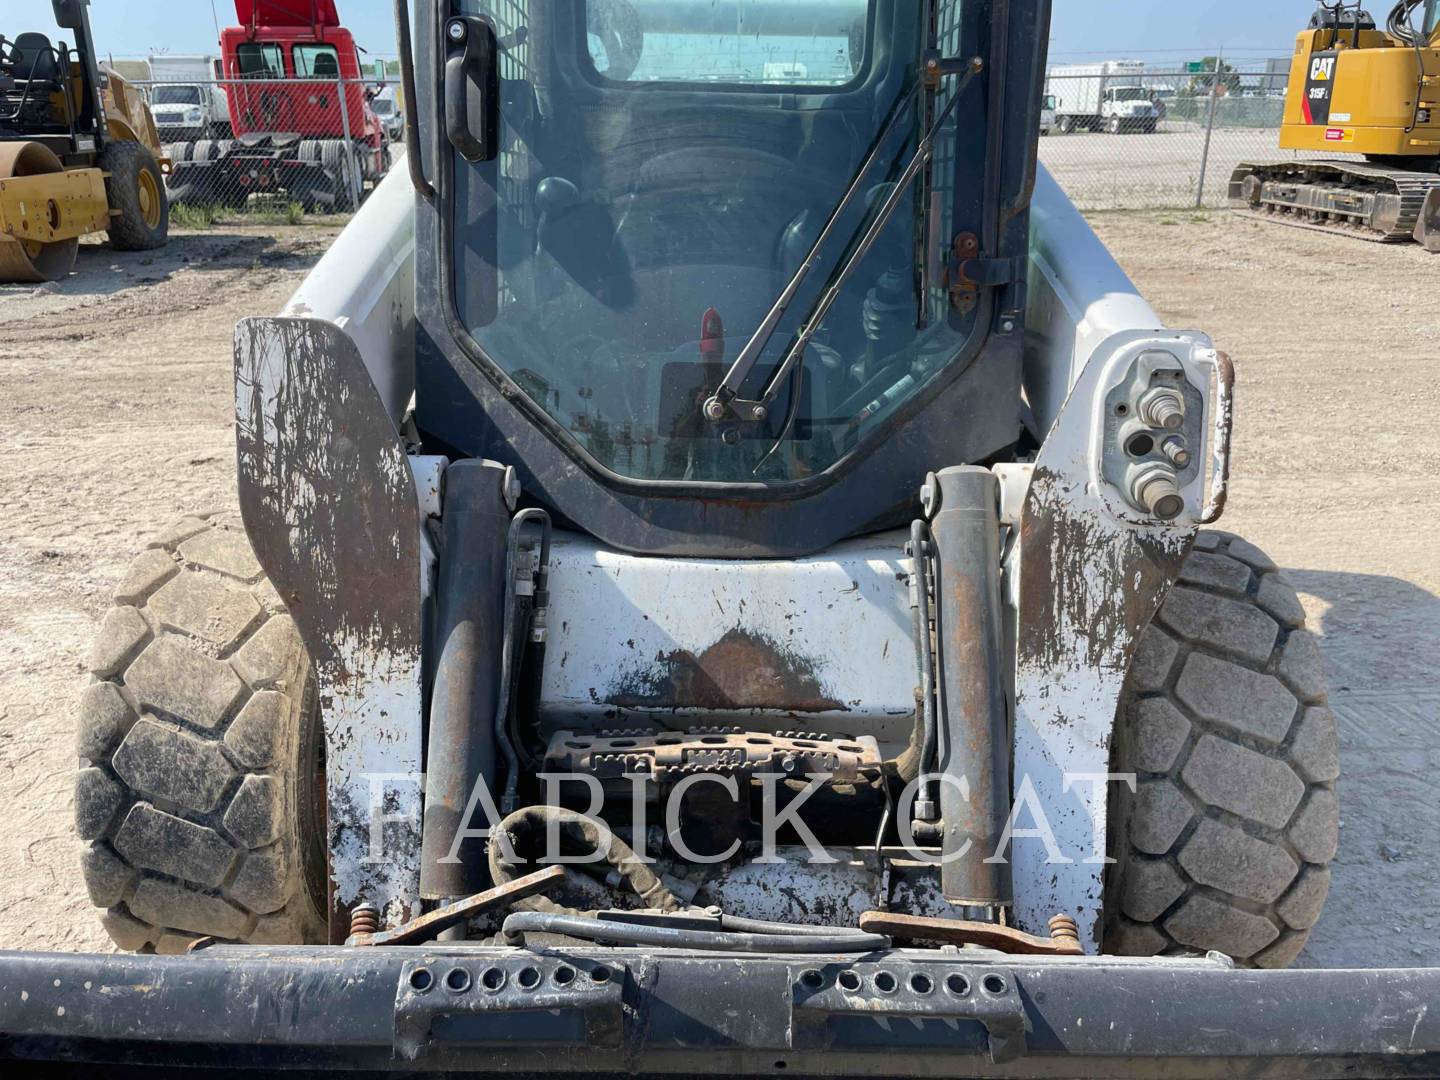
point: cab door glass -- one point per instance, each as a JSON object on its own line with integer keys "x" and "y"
{"x": 316, "y": 62}
{"x": 260, "y": 60}
{"x": 660, "y": 178}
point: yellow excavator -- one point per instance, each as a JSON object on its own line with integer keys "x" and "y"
{"x": 1361, "y": 90}
{"x": 79, "y": 154}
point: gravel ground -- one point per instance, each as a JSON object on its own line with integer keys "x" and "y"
{"x": 118, "y": 386}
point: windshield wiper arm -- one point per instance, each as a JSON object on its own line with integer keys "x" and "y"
{"x": 719, "y": 404}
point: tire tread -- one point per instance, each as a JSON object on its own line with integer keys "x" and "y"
{"x": 1255, "y": 773}
{"x": 184, "y": 797}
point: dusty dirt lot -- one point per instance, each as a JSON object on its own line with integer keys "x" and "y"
{"x": 117, "y": 391}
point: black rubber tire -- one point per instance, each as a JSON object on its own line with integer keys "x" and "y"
{"x": 131, "y": 165}
{"x": 1227, "y": 843}
{"x": 200, "y": 795}
{"x": 1116, "y": 125}
{"x": 341, "y": 167}
{"x": 1065, "y": 125}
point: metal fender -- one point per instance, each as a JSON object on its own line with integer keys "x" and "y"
{"x": 330, "y": 504}
{"x": 1092, "y": 569}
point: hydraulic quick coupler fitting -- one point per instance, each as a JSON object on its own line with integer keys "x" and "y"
{"x": 1163, "y": 407}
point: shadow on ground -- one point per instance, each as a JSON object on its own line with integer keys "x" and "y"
{"x": 1381, "y": 641}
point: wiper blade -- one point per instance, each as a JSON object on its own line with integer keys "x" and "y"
{"x": 727, "y": 394}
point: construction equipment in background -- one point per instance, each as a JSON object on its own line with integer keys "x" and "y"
{"x": 318, "y": 143}
{"x": 1357, "y": 89}
{"x": 79, "y": 154}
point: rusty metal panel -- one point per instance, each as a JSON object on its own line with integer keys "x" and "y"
{"x": 1092, "y": 571}
{"x": 821, "y": 643}
{"x": 330, "y": 505}
{"x": 667, "y": 757}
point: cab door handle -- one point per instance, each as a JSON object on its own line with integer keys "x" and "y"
{"x": 472, "y": 88}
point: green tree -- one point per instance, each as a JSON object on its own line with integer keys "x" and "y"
{"x": 1201, "y": 85}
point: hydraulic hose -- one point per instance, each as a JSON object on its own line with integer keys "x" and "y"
{"x": 512, "y": 649}
{"x": 669, "y": 937}
{"x": 1399, "y": 26}
{"x": 584, "y": 832}
{"x": 741, "y": 925}
{"x": 920, "y": 563}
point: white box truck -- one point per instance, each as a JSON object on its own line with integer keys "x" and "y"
{"x": 186, "y": 101}
{"x": 1109, "y": 96}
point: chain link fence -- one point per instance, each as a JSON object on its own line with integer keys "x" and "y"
{"x": 289, "y": 147}
{"x": 1122, "y": 136}
{"x": 1130, "y": 137}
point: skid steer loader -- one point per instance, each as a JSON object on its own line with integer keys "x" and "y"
{"x": 723, "y": 585}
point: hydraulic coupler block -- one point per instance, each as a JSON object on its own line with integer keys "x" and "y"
{"x": 1166, "y": 417}
{"x": 974, "y": 727}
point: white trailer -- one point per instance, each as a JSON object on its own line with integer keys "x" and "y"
{"x": 1109, "y": 96}
{"x": 186, "y": 100}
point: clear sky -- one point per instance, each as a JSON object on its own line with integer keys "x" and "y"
{"x": 1142, "y": 29}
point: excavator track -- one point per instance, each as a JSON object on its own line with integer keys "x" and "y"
{"x": 1369, "y": 202}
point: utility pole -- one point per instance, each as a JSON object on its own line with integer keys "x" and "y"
{"x": 1209, "y": 129}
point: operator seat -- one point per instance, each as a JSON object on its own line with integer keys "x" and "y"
{"x": 327, "y": 66}
{"x": 35, "y": 58}
{"x": 697, "y": 198}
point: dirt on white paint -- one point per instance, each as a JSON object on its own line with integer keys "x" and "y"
{"x": 117, "y": 391}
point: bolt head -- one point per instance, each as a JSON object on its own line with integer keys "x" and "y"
{"x": 510, "y": 491}
{"x": 456, "y": 31}
{"x": 759, "y": 412}
{"x": 714, "y": 409}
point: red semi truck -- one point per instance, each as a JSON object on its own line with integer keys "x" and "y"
{"x": 300, "y": 111}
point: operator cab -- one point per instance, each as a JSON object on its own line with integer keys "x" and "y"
{"x": 658, "y": 187}
{"x": 49, "y": 91}
{"x": 30, "y": 68}
{"x": 701, "y": 244}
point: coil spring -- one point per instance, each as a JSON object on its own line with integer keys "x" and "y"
{"x": 365, "y": 919}
{"x": 1064, "y": 928}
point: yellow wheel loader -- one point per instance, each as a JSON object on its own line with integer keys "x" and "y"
{"x": 79, "y": 154}
{"x": 1357, "y": 89}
